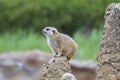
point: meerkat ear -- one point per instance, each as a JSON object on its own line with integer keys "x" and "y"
{"x": 54, "y": 31}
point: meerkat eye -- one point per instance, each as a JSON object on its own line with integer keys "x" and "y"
{"x": 47, "y": 29}
{"x": 54, "y": 31}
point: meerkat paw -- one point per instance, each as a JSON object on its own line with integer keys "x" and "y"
{"x": 55, "y": 54}
{"x": 58, "y": 55}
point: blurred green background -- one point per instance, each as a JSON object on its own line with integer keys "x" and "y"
{"x": 21, "y": 22}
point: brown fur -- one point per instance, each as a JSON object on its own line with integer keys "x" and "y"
{"x": 62, "y": 44}
{"x": 65, "y": 44}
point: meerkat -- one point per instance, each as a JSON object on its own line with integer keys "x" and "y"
{"x": 59, "y": 43}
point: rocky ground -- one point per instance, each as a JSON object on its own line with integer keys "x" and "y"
{"x": 27, "y": 65}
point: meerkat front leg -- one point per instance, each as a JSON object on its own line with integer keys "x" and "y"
{"x": 55, "y": 51}
{"x": 59, "y": 52}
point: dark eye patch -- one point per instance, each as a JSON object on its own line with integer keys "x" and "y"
{"x": 47, "y": 29}
{"x": 54, "y": 31}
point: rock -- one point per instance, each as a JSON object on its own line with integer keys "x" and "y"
{"x": 84, "y": 70}
{"x": 108, "y": 67}
{"x": 27, "y": 65}
{"x": 68, "y": 76}
{"x": 22, "y": 65}
{"x": 55, "y": 68}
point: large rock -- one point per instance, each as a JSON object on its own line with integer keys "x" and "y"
{"x": 55, "y": 68}
{"x": 108, "y": 67}
{"x": 27, "y": 65}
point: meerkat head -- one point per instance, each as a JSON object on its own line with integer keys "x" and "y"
{"x": 49, "y": 31}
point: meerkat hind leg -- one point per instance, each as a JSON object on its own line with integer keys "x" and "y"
{"x": 62, "y": 53}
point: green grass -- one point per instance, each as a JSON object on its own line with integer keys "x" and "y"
{"x": 21, "y": 40}
{"x": 88, "y": 45}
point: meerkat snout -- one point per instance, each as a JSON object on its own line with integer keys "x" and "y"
{"x": 43, "y": 31}
{"x": 46, "y": 31}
